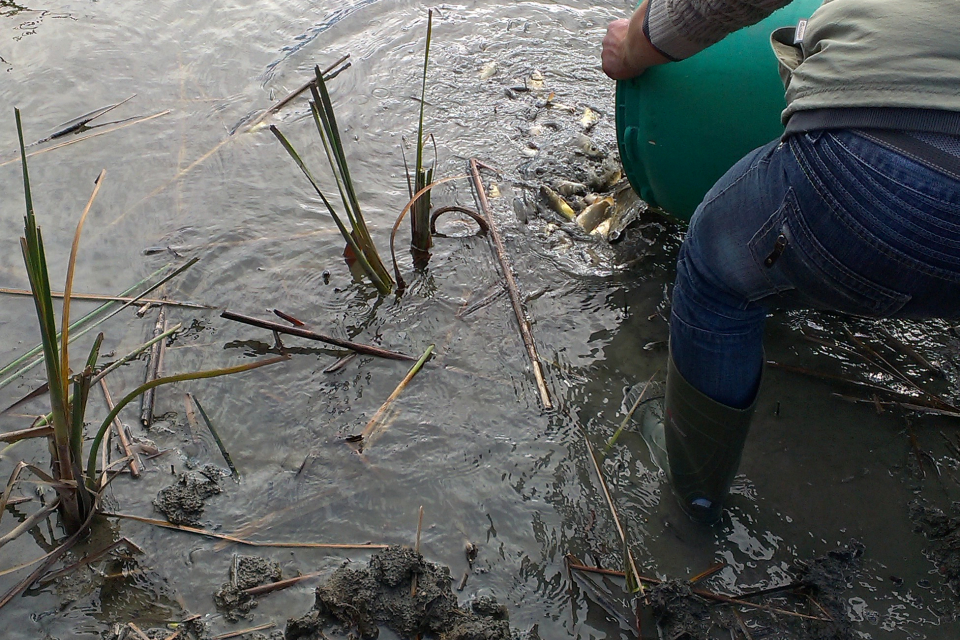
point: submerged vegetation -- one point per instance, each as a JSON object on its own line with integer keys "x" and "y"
{"x": 77, "y": 489}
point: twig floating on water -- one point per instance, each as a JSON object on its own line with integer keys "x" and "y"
{"x": 100, "y": 297}
{"x": 340, "y": 364}
{"x": 280, "y": 584}
{"x": 121, "y": 433}
{"x": 216, "y": 438}
{"x": 289, "y": 318}
{"x": 628, "y": 554}
{"x": 328, "y": 75}
{"x": 372, "y": 426}
{"x": 311, "y": 335}
{"x": 525, "y": 332}
{"x": 703, "y": 575}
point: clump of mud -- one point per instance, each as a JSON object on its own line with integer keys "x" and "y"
{"x": 361, "y": 599}
{"x": 248, "y": 572}
{"x": 943, "y": 532}
{"x": 183, "y": 502}
{"x": 680, "y": 613}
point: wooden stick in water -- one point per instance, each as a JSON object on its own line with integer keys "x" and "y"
{"x": 311, "y": 335}
{"x": 154, "y": 365}
{"x": 525, "y": 332}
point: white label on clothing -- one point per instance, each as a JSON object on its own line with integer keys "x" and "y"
{"x": 799, "y": 33}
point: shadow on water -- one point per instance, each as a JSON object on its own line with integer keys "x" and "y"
{"x": 468, "y": 439}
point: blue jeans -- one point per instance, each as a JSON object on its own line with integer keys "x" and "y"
{"x": 827, "y": 220}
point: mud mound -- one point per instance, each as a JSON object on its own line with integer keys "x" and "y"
{"x": 249, "y": 571}
{"x": 183, "y": 502}
{"x": 943, "y": 532}
{"x": 361, "y": 599}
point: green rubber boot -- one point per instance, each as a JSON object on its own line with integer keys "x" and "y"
{"x": 697, "y": 442}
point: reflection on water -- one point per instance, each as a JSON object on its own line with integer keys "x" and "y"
{"x": 468, "y": 439}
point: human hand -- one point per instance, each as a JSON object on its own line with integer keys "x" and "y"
{"x": 627, "y": 52}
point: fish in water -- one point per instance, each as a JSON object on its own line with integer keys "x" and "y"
{"x": 488, "y": 70}
{"x": 557, "y": 203}
{"x": 595, "y": 214}
{"x": 585, "y": 146}
{"x": 569, "y": 188}
{"x": 589, "y": 119}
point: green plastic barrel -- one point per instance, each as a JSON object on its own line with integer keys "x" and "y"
{"x": 680, "y": 126}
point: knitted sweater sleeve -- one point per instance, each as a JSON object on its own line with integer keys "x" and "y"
{"x": 681, "y": 28}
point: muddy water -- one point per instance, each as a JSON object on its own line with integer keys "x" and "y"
{"x": 469, "y": 440}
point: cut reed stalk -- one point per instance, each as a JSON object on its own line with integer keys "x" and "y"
{"x": 152, "y": 370}
{"x": 420, "y": 216}
{"x": 512, "y": 288}
{"x": 374, "y": 426}
{"x": 121, "y": 433}
{"x": 99, "y": 297}
{"x": 312, "y": 335}
{"x": 216, "y": 438}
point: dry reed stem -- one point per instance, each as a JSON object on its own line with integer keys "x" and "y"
{"x": 25, "y": 564}
{"x": 137, "y": 631}
{"x": 525, "y": 332}
{"x": 93, "y": 557}
{"x": 86, "y": 137}
{"x": 153, "y": 367}
{"x": 416, "y": 550}
{"x": 576, "y": 565}
{"x": 613, "y": 508}
{"x": 50, "y": 558}
{"x": 121, "y": 433}
{"x": 235, "y": 540}
{"x": 280, "y": 584}
{"x": 240, "y": 632}
{"x": 29, "y": 523}
{"x": 100, "y": 297}
{"x": 23, "y": 434}
{"x": 375, "y": 426}
{"x": 312, "y": 335}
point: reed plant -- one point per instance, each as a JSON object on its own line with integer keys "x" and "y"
{"x": 360, "y": 246}
{"x": 77, "y": 488}
{"x": 420, "y": 213}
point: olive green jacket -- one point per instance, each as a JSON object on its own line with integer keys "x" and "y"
{"x": 854, "y": 55}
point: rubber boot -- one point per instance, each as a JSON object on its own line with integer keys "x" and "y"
{"x": 697, "y": 442}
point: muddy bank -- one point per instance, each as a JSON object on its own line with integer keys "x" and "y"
{"x": 360, "y": 600}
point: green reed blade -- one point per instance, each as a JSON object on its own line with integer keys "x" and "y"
{"x": 382, "y": 285}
